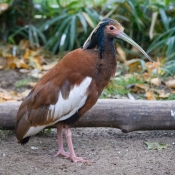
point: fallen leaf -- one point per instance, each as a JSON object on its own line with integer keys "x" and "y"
{"x": 2, "y": 100}
{"x": 27, "y": 54}
{"x": 32, "y": 84}
{"x": 164, "y": 95}
{"x": 136, "y": 65}
{"x": 24, "y": 70}
{"x": 126, "y": 76}
{"x": 154, "y": 68}
{"x": 156, "y": 146}
{"x": 139, "y": 88}
{"x": 25, "y": 93}
{"x": 161, "y": 93}
{"x": 146, "y": 77}
{"x": 34, "y": 63}
{"x": 12, "y": 95}
{"x": 121, "y": 53}
{"x": 5, "y": 96}
{"x": 36, "y": 73}
{"x": 150, "y": 95}
{"x": 8, "y": 95}
{"x": 23, "y": 44}
{"x": 156, "y": 81}
{"x": 170, "y": 83}
{"x": 34, "y": 58}
{"x": 14, "y": 62}
{"x": 49, "y": 66}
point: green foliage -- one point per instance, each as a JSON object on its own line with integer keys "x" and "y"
{"x": 21, "y": 83}
{"x": 164, "y": 42}
{"x": 31, "y": 32}
{"x": 45, "y": 131}
{"x": 149, "y": 23}
{"x": 60, "y": 25}
{"x": 68, "y": 26}
{"x": 119, "y": 86}
{"x": 156, "y": 146}
{"x": 171, "y": 97}
{"x": 4, "y": 134}
{"x": 131, "y": 13}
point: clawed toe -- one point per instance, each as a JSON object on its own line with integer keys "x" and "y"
{"x": 78, "y": 159}
{"x": 62, "y": 153}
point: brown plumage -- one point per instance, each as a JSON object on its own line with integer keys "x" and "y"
{"x": 71, "y": 87}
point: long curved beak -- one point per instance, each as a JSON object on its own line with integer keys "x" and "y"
{"x": 126, "y": 38}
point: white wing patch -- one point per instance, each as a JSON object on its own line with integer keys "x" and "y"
{"x": 77, "y": 98}
{"x": 65, "y": 108}
{"x": 34, "y": 130}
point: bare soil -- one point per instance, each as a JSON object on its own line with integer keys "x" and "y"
{"x": 111, "y": 151}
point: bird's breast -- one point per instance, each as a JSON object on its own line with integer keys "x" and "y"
{"x": 105, "y": 69}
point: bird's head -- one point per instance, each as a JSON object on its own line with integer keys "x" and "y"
{"x": 112, "y": 29}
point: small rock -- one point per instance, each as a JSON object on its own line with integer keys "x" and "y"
{"x": 34, "y": 148}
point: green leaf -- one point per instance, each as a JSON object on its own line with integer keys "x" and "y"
{"x": 31, "y": 39}
{"x": 88, "y": 19}
{"x": 133, "y": 10}
{"x": 164, "y": 17}
{"x": 83, "y": 21}
{"x": 73, "y": 31}
{"x": 19, "y": 30}
{"x": 35, "y": 35}
{"x": 53, "y": 21}
{"x": 41, "y": 35}
{"x": 171, "y": 45}
{"x": 156, "y": 146}
{"x": 59, "y": 44}
{"x": 54, "y": 41}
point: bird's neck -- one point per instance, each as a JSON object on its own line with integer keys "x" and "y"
{"x": 106, "y": 64}
{"x": 109, "y": 47}
{"x": 106, "y": 46}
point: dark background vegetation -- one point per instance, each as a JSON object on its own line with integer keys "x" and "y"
{"x": 63, "y": 25}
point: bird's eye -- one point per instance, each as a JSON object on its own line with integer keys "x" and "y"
{"x": 111, "y": 28}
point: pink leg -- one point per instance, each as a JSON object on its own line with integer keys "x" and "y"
{"x": 71, "y": 149}
{"x": 61, "y": 151}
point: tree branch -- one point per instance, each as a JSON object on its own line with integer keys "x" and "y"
{"x": 126, "y": 115}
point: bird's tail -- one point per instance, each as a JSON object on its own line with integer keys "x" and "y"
{"x": 24, "y": 141}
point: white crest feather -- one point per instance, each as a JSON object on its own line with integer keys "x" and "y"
{"x": 87, "y": 42}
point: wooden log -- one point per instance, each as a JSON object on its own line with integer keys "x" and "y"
{"x": 127, "y": 115}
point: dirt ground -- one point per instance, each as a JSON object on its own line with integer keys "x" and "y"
{"x": 111, "y": 151}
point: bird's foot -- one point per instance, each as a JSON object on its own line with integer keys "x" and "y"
{"x": 62, "y": 153}
{"x": 74, "y": 159}
{"x": 78, "y": 159}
